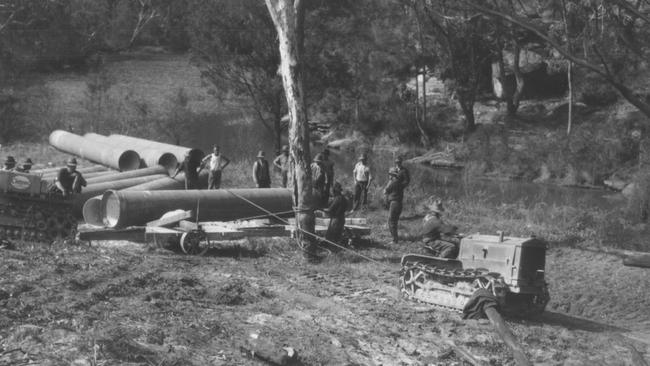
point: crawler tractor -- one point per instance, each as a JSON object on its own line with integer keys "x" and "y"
{"x": 511, "y": 268}
{"x": 30, "y": 212}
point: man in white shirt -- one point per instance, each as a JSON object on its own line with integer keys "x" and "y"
{"x": 362, "y": 179}
{"x": 216, "y": 163}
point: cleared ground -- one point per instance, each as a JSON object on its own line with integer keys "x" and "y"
{"x": 116, "y": 303}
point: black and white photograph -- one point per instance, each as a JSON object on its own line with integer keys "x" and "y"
{"x": 325, "y": 182}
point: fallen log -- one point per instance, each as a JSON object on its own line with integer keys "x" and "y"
{"x": 637, "y": 260}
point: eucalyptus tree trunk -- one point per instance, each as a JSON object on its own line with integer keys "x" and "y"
{"x": 288, "y": 18}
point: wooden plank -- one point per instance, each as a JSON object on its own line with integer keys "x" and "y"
{"x": 171, "y": 218}
{"x": 187, "y": 225}
{"x": 325, "y": 221}
{"x": 156, "y": 234}
{"x": 135, "y": 234}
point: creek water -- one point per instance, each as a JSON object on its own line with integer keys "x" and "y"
{"x": 242, "y": 143}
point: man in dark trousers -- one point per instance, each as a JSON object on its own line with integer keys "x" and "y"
{"x": 261, "y": 173}
{"x": 283, "y": 163}
{"x": 190, "y": 168}
{"x": 336, "y": 212}
{"x": 319, "y": 181}
{"x": 215, "y": 162}
{"x": 394, "y": 193}
{"x": 328, "y": 165}
{"x": 439, "y": 238}
{"x": 362, "y": 179}
{"x": 69, "y": 181}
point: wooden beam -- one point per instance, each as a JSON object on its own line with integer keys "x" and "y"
{"x": 136, "y": 234}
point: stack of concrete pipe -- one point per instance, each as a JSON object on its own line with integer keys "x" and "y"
{"x": 101, "y": 153}
{"x": 141, "y": 165}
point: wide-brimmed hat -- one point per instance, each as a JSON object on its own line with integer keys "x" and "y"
{"x": 319, "y": 158}
{"x": 436, "y": 206}
{"x": 260, "y": 154}
{"x": 71, "y": 162}
{"x": 10, "y": 160}
{"x": 398, "y": 159}
{"x": 393, "y": 172}
{"x": 28, "y": 161}
{"x": 285, "y": 148}
{"x": 363, "y": 157}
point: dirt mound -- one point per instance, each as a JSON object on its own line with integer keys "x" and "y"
{"x": 239, "y": 292}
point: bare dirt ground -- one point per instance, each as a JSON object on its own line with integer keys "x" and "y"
{"x": 121, "y": 303}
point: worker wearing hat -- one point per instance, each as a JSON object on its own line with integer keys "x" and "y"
{"x": 319, "y": 181}
{"x": 439, "y": 238}
{"x": 394, "y": 195}
{"x": 362, "y": 179}
{"x": 26, "y": 166}
{"x": 191, "y": 169}
{"x": 216, "y": 163}
{"x": 10, "y": 164}
{"x": 69, "y": 181}
{"x": 283, "y": 163}
{"x": 261, "y": 173}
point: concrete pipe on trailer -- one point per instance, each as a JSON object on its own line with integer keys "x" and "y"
{"x": 127, "y": 175}
{"x": 121, "y": 159}
{"x": 178, "y": 151}
{"x": 149, "y": 155}
{"x": 92, "y": 190}
{"x": 127, "y": 208}
{"x": 92, "y": 212}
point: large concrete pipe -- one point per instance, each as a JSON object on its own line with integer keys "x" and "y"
{"x": 86, "y": 169}
{"x": 92, "y": 207}
{"x": 126, "y": 175}
{"x": 51, "y": 176}
{"x": 152, "y": 156}
{"x": 122, "y": 159}
{"x": 178, "y": 151}
{"x": 127, "y": 208}
{"x": 92, "y": 190}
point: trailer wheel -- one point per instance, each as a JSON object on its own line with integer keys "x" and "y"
{"x": 194, "y": 242}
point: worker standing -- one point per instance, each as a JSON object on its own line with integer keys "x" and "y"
{"x": 394, "y": 193}
{"x": 362, "y": 179}
{"x": 319, "y": 181}
{"x": 261, "y": 173}
{"x": 216, "y": 163}
{"x": 69, "y": 181}
{"x": 329, "y": 171}
{"x": 283, "y": 162}
{"x": 190, "y": 168}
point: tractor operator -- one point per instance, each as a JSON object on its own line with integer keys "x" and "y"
{"x": 439, "y": 238}
{"x": 69, "y": 181}
{"x": 10, "y": 164}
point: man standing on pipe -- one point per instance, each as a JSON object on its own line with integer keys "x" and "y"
{"x": 216, "y": 163}
{"x": 261, "y": 173}
{"x": 190, "y": 168}
{"x": 69, "y": 181}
